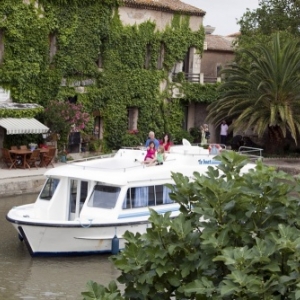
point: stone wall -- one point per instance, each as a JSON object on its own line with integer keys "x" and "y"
{"x": 23, "y": 185}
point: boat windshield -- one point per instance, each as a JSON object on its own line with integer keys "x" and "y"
{"x": 104, "y": 197}
{"x": 49, "y": 188}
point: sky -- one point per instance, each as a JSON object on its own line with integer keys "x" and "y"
{"x": 223, "y": 14}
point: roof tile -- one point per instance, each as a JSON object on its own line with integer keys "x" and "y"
{"x": 166, "y": 5}
{"x": 219, "y": 42}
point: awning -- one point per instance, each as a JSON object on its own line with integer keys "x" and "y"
{"x": 23, "y": 126}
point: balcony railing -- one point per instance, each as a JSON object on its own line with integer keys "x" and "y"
{"x": 194, "y": 77}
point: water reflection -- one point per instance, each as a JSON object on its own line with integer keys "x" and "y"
{"x": 24, "y": 277}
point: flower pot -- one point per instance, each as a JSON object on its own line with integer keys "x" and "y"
{"x": 63, "y": 158}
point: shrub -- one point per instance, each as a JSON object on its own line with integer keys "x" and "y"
{"x": 196, "y": 134}
{"x": 131, "y": 140}
{"x": 181, "y": 134}
{"x": 94, "y": 145}
{"x": 237, "y": 237}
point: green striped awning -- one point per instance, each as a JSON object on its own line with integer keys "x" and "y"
{"x": 23, "y": 126}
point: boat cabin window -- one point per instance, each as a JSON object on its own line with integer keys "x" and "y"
{"x": 49, "y": 188}
{"x": 76, "y": 187}
{"x": 104, "y": 197}
{"x": 147, "y": 196}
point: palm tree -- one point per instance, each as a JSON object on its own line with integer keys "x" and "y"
{"x": 265, "y": 96}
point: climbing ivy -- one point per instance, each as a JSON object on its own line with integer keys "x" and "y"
{"x": 205, "y": 93}
{"x": 87, "y": 32}
{"x": 20, "y": 113}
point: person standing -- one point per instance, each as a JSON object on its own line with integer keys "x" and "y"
{"x": 207, "y": 133}
{"x": 223, "y": 132}
{"x": 151, "y": 138}
{"x": 203, "y": 139}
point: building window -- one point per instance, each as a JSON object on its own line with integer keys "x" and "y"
{"x": 148, "y": 56}
{"x": 161, "y": 57}
{"x": 186, "y": 62}
{"x": 98, "y": 128}
{"x": 185, "y": 117}
{"x": 1, "y": 46}
{"x": 53, "y": 46}
{"x": 133, "y": 113}
{"x": 99, "y": 61}
{"x": 219, "y": 69}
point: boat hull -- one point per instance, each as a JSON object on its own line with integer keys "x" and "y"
{"x": 63, "y": 239}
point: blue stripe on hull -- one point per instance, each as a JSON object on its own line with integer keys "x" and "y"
{"x": 144, "y": 213}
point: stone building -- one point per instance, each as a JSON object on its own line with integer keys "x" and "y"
{"x": 57, "y": 70}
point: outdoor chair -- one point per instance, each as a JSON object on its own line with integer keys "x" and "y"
{"x": 8, "y": 159}
{"x": 48, "y": 158}
{"x": 17, "y": 157}
{"x": 23, "y": 147}
{"x": 34, "y": 158}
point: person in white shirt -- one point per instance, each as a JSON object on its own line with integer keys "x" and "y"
{"x": 223, "y": 133}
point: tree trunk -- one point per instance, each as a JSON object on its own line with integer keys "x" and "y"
{"x": 275, "y": 145}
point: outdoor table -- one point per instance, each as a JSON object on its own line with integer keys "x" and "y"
{"x": 23, "y": 154}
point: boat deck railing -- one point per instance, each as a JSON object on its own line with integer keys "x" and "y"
{"x": 138, "y": 164}
{"x": 210, "y": 145}
{"x": 82, "y": 159}
{"x": 251, "y": 152}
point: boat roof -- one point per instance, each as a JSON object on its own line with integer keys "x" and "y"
{"x": 126, "y": 167}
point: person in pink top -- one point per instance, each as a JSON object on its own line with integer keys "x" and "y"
{"x": 151, "y": 153}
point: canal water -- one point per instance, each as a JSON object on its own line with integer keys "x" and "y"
{"x": 59, "y": 278}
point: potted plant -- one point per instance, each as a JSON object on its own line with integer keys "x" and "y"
{"x": 32, "y": 146}
{"x": 63, "y": 155}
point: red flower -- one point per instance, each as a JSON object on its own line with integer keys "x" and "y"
{"x": 133, "y": 131}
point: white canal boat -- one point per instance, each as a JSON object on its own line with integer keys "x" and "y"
{"x": 86, "y": 207}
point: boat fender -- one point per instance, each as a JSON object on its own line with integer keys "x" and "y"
{"x": 115, "y": 245}
{"x": 20, "y": 237}
{"x": 84, "y": 224}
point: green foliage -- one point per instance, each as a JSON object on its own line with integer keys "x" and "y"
{"x": 201, "y": 93}
{"x": 65, "y": 117}
{"x": 265, "y": 96}
{"x": 237, "y": 237}
{"x": 272, "y": 16}
{"x": 131, "y": 140}
{"x": 196, "y": 134}
{"x": 259, "y": 25}
{"x": 22, "y": 139}
{"x": 96, "y": 292}
{"x": 181, "y": 134}
{"x": 85, "y": 33}
{"x": 20, "y": 113}
{"x": 94, "y": 145}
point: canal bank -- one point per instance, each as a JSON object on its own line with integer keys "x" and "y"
{"x": 20, "y": 181}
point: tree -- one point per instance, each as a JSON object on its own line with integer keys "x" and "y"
{"x": 237, "y": 237}
{"x": 259, "y": 25}
{"x": 272, "y": 16}
{"x": 64, "y": 117}
{"x": 266, "y": 95}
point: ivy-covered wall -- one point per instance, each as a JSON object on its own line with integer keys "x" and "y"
{"x": 85, "y": 32}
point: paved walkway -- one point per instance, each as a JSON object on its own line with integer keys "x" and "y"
{"x": 8, "y": 174}
{"x": 288, "y": 165}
